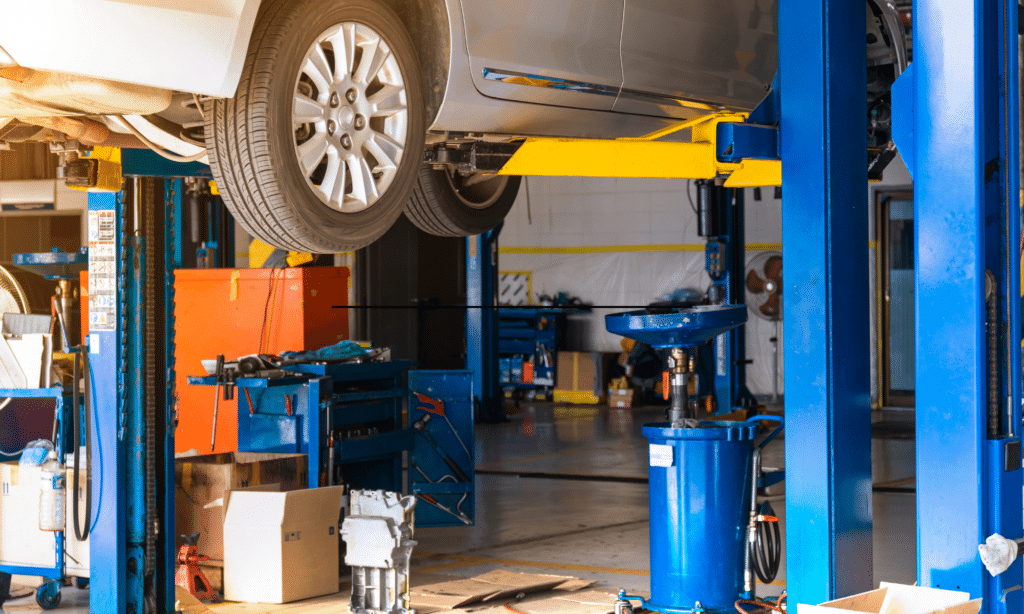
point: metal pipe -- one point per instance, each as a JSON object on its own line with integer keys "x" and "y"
{"x": 87, "y": 131}
{"x": 749, "y": 582}
{"x": 707, "y": 210}
{"x": 65, "y": 300}
{"x": 679, "y": 410}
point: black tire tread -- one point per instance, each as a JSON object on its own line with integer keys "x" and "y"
{"x": 237, "y": 135}
{"x": 423, "y": 211}
{"x": 427, "y": 211}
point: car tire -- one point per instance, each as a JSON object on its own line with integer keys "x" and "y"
{"x": 450, "y": 205}
{"x": 364, "y": 115}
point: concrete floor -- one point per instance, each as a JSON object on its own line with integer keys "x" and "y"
{"x": 562, "y": 490}
{"x": 597, "y": 527}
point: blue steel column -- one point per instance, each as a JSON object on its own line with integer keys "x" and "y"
{"x": 729, "y": 363}
{"x": 482, "y": 322}
{"x": 173, "y": 209}
{"x": 967, "y": 216}
{"x": 108, "y": 540}
{"x": 822, "y": 61}
{"x": 131, "y": 322}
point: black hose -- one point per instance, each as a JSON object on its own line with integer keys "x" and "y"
{"x": 80, "y": 533}
{"x": 766, "y": 552}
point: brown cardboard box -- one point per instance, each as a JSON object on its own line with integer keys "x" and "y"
{"x": 898, "y": 599}
{"x": 580, "y": 377}
{"x": 203, "y": 483}
{"x": 621, "y": 397}
{"x": 496, "y": 585}
{"x": 281, "y": 546}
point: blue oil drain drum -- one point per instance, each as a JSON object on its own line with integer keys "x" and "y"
{"x": 700, "y": 490}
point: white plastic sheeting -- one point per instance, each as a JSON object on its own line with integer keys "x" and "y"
{"x": 621, "y": 281}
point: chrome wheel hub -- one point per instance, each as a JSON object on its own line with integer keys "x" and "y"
{"x": 350, "y": 117}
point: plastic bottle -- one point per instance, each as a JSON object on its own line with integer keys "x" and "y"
{"x": 52, "y": 494}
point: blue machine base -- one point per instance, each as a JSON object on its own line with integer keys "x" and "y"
{"x": 653, "y": 607}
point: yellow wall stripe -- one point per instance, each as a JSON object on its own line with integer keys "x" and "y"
{"x": 608, "y": 249}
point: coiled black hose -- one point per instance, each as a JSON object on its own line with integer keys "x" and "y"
{"x": 766, "y": 550}
{"x": 81, "y": 534}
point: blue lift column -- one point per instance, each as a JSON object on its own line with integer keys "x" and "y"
{"x": 482, "y": 323}
{"x": 823, "y": 127}
{"x": 133, "y": 250}
{"x": 956, "y": 115}
{"x": 721, "y": 222}
{"x": 109, "y": 590}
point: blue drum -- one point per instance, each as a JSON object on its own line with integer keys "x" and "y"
{"x": 700, "y": 507}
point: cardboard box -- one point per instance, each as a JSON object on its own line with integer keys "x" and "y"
{"x": 203, "y": 483}
{"x": 580, "y": 377}
{"x": 21, "y": 541}
{"x": 898, "y": 599}
{"x": 496, "y": 585}
{"x": 282, "y": 546}
{"x": 621, "y": 397}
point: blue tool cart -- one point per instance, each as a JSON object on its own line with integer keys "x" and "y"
{"x": 355, "y": 412}
{"x": 48, "y": 594}
{"x": 529, "y": 336}
{"x": 347, "y": 417}
{"x": 442, "y": 459}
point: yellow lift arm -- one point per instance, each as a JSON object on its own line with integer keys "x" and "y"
{"x": 645, "y": 157}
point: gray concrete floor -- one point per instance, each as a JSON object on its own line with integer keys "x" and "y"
{"x": 597, "y": 527}
{"x": 583, "y": 511}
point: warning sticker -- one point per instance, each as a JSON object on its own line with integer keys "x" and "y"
{"x": 102, "y": 271}
{"x": 661, "y": 455}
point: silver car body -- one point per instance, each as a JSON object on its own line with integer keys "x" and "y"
{"x": 574, "y": 68}
{"x": 603, "y": 69}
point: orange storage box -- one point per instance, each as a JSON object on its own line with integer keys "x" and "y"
{"x": 236, "y": 312}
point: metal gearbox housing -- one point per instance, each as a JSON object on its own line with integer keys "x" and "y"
{"x": 378, "y": 533}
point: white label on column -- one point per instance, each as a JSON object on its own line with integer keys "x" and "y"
{"x": 94, "y": 343}
{"x": 661, "y": 455}
{"x": 102, "y": 270}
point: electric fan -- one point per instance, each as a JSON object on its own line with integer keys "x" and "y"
{"x": 764, "y": 299}
{"x": 12, "y": 300}
{"x": 12, "y": 295}
{"x": 764, "y": 286}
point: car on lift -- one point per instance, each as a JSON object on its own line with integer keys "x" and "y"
{"x": 324, "y": 120}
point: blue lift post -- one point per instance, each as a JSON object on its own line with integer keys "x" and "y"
{"x": 133, "y": 465}
{"x": 725, "y": 262}
{"x": 482, "y": 322}
{"x": 956, "y": 116}
{"x": 822, "y": 62}
{"x": 109, "y": 590}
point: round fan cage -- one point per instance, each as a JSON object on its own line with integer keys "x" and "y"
{"x": 763, "y": 284}
{"x": 12, "y": 295}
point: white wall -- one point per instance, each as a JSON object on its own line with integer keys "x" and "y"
{"x": 607, "y": 218}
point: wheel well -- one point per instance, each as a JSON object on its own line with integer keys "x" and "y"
{"x": 427, "y": 23}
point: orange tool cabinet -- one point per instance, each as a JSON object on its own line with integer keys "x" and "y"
{"x": 236, "y": 312}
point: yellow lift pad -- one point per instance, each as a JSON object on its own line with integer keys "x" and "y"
{"x": 645, "y": 157}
